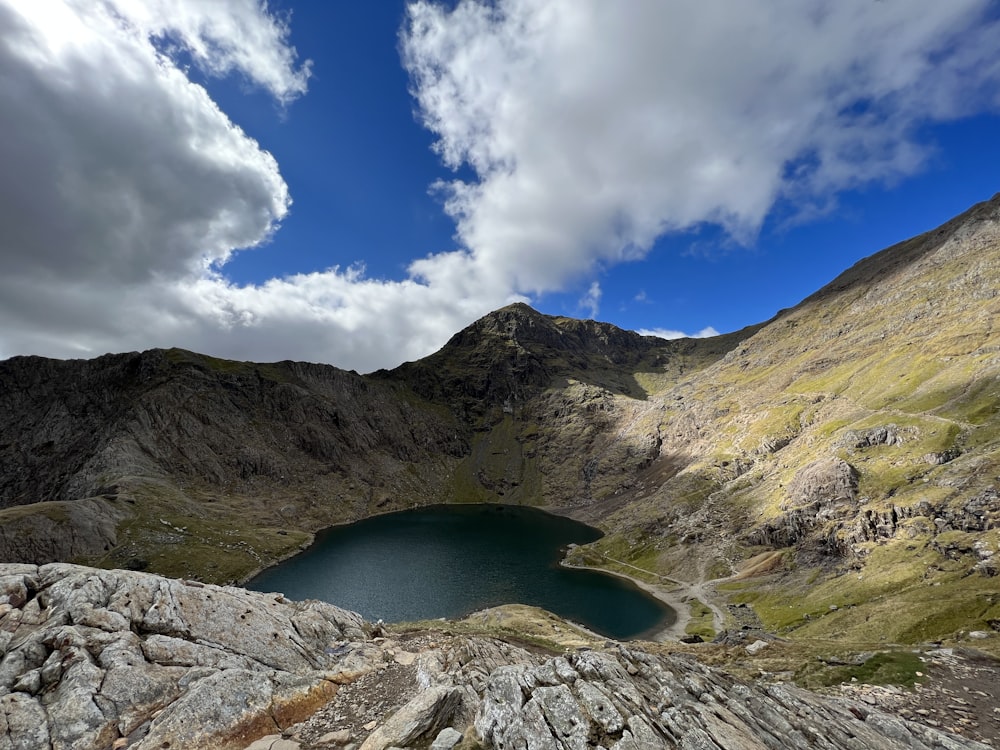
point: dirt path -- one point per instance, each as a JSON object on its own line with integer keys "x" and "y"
{"x": 674, "y": 593}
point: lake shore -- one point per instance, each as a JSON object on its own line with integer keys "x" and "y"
{"x": 671, "y": 597}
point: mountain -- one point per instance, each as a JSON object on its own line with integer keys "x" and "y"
{"x": 832, "y": 472}
{"x": 199, "y": 466}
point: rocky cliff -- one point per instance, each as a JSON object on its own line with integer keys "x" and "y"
{"x": 163, "y": 457}
{"x": 95, "y": 659}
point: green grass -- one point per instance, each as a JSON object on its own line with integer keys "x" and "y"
{"x": 701, "y": 622}
{"x": 903, "y": 668}
{"x": 171, "y": 535}
{"x": 780, "y": 423}
{"x": 519, "y": 624}
{"x": 977, "y": 403}
{"x": 55, "y": 510}
{"x": 269, "y": 371}
{"x": 906, "y": 592}
{"x": 635, "y": 550}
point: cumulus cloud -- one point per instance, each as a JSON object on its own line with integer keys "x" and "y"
{"x": 590, "y": 128}
{"x": 118, "y": 167}
{"x": 664, "y": 333}
{"x": 594, "y": 128}
{"x": 119, "y": 172}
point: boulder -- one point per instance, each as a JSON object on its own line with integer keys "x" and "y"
{"x": 425, "y": 714}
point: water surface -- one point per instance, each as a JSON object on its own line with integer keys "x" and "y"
{"x": 450, "y": 560}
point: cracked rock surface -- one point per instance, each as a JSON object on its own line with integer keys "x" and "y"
{"x": 95, "y": 659}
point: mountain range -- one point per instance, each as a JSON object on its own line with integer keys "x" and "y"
{"x": 834, "y": 470}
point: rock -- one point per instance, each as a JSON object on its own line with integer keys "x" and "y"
{"x": 273, "y": 742}
{"x": 979, "y": 635}
{"x": 404, "y": 657}
{"x": 125, "y": 654}
{"x": 425, "y": 714}
{"x": 447, "y": 739}
{"x": 632, "y": 700}
{"x": 884, "y": 435}
{"x": 23, "y": 723}
{"x": 756, "y": 647}
{"x": 828, "y": 481}
{"x": 339, "y": 737}
{"x": 67, "y": 684}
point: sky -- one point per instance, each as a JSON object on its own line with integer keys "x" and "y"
{"x": 354, "y": 182}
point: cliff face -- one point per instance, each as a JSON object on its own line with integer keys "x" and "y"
{"x": 71, "y": 426}
{"x": 849, "y": 448}
{"x": 92, "y": 659}
{"x": 178, "y": 444}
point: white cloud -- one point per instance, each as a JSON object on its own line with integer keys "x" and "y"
{"x": 595, "y": 127}
{"x": 117, "y": 166}
{"x": 664, "y": 333}
{"x": 591, "y": 301}
{"x": 592, "y": 128}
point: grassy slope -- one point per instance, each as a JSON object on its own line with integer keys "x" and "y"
{"x": 904, "y": 340}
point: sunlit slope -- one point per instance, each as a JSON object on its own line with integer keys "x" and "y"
{"x": 860, "y": 431}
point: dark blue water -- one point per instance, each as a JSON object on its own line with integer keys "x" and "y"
{"x": 448, "y": 561}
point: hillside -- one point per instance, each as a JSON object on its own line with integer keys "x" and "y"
{"x": 859, "y": 435}
{"x": 196, "y": 466}
{"x": 835, "y": 467}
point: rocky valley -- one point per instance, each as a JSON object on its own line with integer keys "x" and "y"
{"x": 827, "y": 482}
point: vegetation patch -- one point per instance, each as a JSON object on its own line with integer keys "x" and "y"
{"x": 520, "y": 624}
{"x": 701, "y": 622}
{"x": 905, "y": 592}
{"x": 213, "y": 550}
{"x": 904, "y": 668}
{"x": 54, "y": 510}
{"x": 500, "y": 468}
{"x": 634, "y": 556}
{"x": 276, "y": 372}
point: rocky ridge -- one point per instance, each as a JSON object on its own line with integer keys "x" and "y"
{"x": 96, "y": 659}
{"x": 133, "y": 457}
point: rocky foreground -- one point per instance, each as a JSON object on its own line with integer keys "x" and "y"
{"x": 115, "y": 659}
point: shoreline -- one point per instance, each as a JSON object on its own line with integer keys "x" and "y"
{"x": 244, "y": 580}
{"x": 673, "y": 599}
{"x": 676, "y": 599}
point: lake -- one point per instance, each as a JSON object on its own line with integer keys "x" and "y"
{"x": 451, "y": 560}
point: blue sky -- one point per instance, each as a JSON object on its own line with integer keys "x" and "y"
{"x": 360, "y": 164}
{"x": 354, "y": 182}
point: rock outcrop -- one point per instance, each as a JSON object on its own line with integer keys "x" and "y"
{"x": 96, "y": 659}
{"x": 627, "y": 699}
